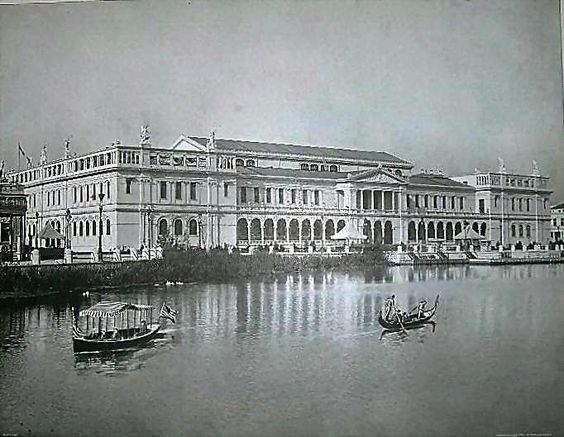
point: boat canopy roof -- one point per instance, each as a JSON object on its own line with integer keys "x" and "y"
{"x": 110, "y": 309}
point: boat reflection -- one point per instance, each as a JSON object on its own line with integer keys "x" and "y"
{"x": 420, "y": 329}
{"x": 120, "y": 361}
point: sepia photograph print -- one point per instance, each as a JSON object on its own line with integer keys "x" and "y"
{"x": 282, "y": 218}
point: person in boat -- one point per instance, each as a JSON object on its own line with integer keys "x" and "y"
{"x": 421, "y": 308}
{"x": 390, "y": 308}
{"x": 143, "y": 326}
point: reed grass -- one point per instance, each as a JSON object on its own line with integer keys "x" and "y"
{"x": 175, "y": 266}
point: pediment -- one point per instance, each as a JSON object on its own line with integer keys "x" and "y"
{"x": 377, "y": 176}
{"x": 187, "y": 144}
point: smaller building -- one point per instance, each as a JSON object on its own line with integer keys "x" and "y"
{"x": 12, "y": 220}
{"x": 557, "y": 222}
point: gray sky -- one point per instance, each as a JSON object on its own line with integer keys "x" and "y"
{"x": 444, "y": 84}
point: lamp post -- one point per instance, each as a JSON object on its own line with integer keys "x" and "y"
{"x": 68, "y": 216}
{"x": 100, "y": 228}
{"x": 149, "y": 214}
{"x": 37, "y": 229}
{"x": 200, "y": 231}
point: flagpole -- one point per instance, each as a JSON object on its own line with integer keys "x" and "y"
{"x": 19, "y": 147}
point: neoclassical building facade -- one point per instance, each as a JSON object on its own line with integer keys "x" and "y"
{"x": 212, "y": 192}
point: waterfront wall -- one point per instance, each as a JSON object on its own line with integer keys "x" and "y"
{"x": 176, "y": 266}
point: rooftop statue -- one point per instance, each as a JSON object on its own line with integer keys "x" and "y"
{"x": 145, "y": 135}
{"x": 536, "y": 171}
{"x": 211, "y": 140}
{"x": 67, "y": 147}
{"x": 2, "y": 165}
{"x": 502, "y": 168}
{"x": 43, "y": 156}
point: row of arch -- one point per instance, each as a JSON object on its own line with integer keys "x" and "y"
{"x": 304, "y": 230}
{"x": 440, "y": 231}
{"x": 177, "y": 227}
{"x": 521, "y": 231}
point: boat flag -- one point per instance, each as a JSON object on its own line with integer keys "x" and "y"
{"x": 168, "y": 313}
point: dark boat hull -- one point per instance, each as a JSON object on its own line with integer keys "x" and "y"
{"x": 414, "y": 323}
{"x": 81, "y": 344}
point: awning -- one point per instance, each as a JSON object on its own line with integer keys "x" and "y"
{"x": 349, "y": 232}
{"x": 468, "y": 234}
{"x": 49, "y": 232}
{"x": 110, "y": 309}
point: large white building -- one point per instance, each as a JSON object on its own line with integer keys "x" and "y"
{"x": 557, "y": 220}
{"x": 209, "y": 192}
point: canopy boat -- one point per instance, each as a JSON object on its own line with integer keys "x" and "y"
{"x": 412, "y": 320}
{"x": 114, "y": 326}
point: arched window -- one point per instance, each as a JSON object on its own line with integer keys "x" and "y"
{"x": 178, "y": 227}
{"x": 239, "y": 162}
{"x": 421, "y": 231}
{"x": 513, "y": 231}
{"x": 108, "y": 226}
{"x": 242, "y": 230}
{"x": 269, "y": 229}
{"x": 193, "y": 227}
{"x": 314, "y": 167}
{"x": 521, "y": 230}
{"x": 411, "y": 235}
{"x": 528, "y": 229}
{"x": 163, "y": 227}
{"x": 440, "y": 230}
{"x": 398, "y": 173}
{"x": 94, "y": 230}
{"x": 333, "y": 168}
{"x": 388, "y": 233}
{"x": 431, "y": 230}
{"x": 281, "y": 230}
{"x": 81, "y": 229}
{"x": 255, "y": 229}
{"x": 329, "y": 229}
{"x": 449, "y": 232}
{"x": 378, "y": 231}
{"x": 483, "y": 230}
{"x": 87, "y": 230}
{"x": 73, "y": 229}
{"x": 294, "y": 230}
{"x": 250, "y": 163}
{"x": 304, "y": 166}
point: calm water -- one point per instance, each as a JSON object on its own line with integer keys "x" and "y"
{"x": 302, "y": 355}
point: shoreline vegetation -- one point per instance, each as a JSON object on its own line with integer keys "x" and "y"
{"x": 175, "y": 266}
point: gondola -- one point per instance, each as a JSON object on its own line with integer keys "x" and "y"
{"x": 412, "y": 322}
{"x": 114, "y": 326}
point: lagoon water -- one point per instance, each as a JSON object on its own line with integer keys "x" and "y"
{"x": 301, "y": 355}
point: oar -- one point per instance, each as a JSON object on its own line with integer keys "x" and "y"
{"x": 401, "y": 324}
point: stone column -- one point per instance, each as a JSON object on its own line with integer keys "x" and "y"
{"x": 382, "y": 206}
{"x": 393, "y": 200}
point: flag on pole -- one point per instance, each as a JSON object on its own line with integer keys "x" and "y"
{"x": 21, "y": 152}
{"x": 20, "y": 149}
{"x": 168, "y": 313}
{"x": 76, "y": 331}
